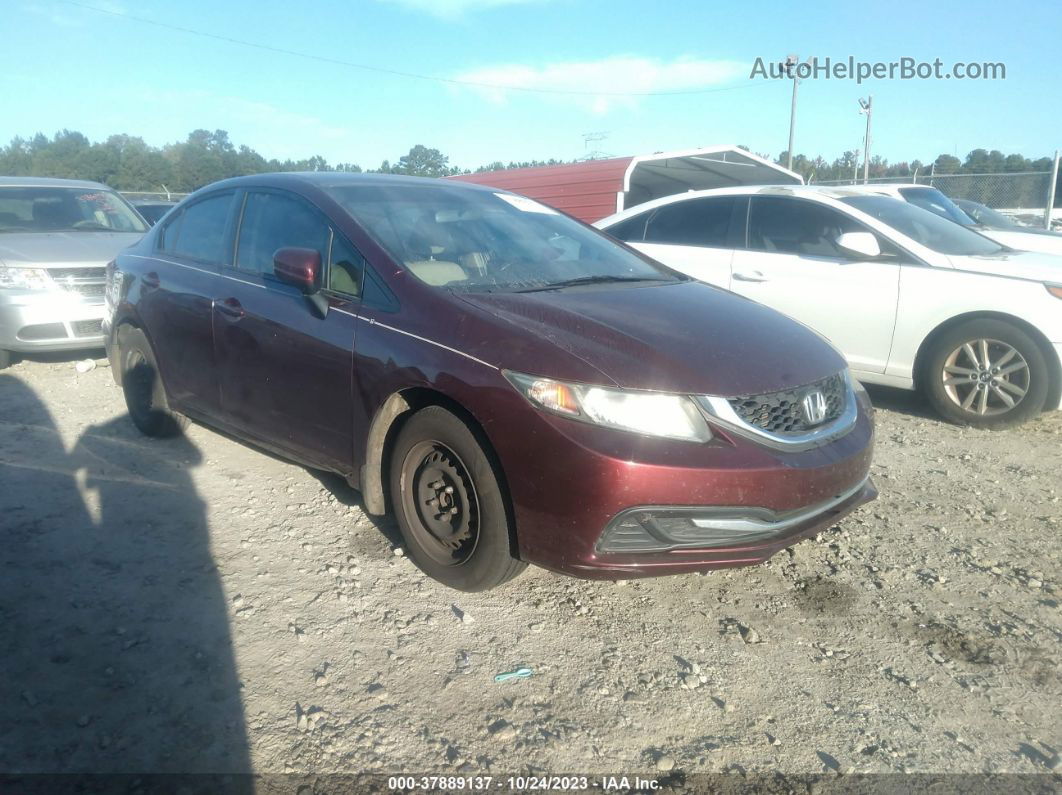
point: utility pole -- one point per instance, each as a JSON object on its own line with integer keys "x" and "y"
{"x": 866, "y": 106}
{"x": 791, "y": 62}
{"x": 1051, "y": 194}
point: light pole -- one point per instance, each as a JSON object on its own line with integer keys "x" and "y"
{"x": 866, "y": 106}
{"x": 791, "y": 62}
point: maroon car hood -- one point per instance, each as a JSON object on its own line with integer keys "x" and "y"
{"x": 689, "y": 337}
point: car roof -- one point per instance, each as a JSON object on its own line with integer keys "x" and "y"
{"x": 49, "y": 182}
{"x": 328, "y": 179}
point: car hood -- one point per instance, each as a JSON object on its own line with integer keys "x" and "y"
{"x": 689, "y": 338}
{"x": 1040, "y": 241}
{"x": 45, "y": 248}
{"x": 1015, "y": 264}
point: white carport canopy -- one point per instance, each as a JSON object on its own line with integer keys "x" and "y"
{"x": 666, "y": 173}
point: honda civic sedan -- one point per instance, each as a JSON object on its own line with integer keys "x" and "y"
{"x": 512, "y": 385}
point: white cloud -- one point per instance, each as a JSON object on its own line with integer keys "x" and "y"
{"x": 598, "y": 83}
{"x": 454, "y": 8}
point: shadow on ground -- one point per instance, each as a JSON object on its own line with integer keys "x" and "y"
{"x": 114, "y": 633}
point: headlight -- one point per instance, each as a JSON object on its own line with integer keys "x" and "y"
{"x": 649, "y": 413}
{"x": 24, "y": 278}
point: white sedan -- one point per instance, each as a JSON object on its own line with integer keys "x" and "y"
{"x": 913, "y": 300}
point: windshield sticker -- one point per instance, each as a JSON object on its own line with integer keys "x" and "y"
{"x": 525, "y": 204}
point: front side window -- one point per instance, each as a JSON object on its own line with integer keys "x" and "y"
{"x": 50, "y": 209}
{"x": 694, "y": 222}
{"x": 199, "y": 233}
{"x": 275, "y": 220}
{"x": 922, "y": 226}
{"x": 471, "y": 240}
{"x": 794, "y": 226}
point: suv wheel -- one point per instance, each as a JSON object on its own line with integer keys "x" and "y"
{"x": 145, "y": 397}
{"x": 986, "y": 373}
{"x": 449, "y": 503}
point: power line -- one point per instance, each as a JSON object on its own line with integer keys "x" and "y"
{"x": 397, "y": 72}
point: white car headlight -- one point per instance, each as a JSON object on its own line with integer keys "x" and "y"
{"x": 649, "y": 413}
{"x": 25, "y": 278}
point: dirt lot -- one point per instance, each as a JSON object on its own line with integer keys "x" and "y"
{"x": 196, "y": 605}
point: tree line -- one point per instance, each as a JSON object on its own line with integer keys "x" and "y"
{"x": 127, "y": 162}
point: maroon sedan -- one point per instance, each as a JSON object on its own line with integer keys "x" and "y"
{"x": 513, "y": 385}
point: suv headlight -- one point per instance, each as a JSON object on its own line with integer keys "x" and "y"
{"x": 24, "y": 278}
{"x": 649, "y": 413}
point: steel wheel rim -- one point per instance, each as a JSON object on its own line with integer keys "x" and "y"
{"x": 440, "y": 501}
{"x": 986, "y": 377}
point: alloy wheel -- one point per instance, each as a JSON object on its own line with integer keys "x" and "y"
{"x": 441, "y": 504}
{"x": 986, "y": 377}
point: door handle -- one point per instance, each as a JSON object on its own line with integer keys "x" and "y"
{"x": 150, "y": 280}
{"x": 750, "y": 276}
{"x": 230, "y": 307}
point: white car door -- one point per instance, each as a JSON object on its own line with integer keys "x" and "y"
{"x": 793, "y": 264}
{"x": 695, "y": 236}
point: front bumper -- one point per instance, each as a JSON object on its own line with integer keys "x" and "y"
{"x": 570, "y": 481}
{"x": 52, "y": 320}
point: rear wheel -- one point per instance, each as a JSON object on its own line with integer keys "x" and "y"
{"x": 145, "y": 397}
{"x": 449, "y": 503}
{"x": 986, "y": 373}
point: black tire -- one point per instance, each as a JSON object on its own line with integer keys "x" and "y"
{"x": 449, "y": 503}
{"x": 978, "y": 396}
{"x": 145, "y": 396}
{"x": 5, "y": 359}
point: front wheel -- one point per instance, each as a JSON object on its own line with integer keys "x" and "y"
{"x": 145, "y": 396}
{"x": 449, "y": 503}
{"x": 987, "y": 374}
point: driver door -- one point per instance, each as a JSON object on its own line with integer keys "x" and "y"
{"x": 792, "y": 263}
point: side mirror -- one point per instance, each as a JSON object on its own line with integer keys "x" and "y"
{"x": 863, "y": 244}
{"x": 300, "y": 267}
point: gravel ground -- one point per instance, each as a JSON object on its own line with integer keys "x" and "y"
{"x": 197, "y": 605}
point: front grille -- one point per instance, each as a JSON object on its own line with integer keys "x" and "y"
{"x": 42, "y": 331}
{"x": 783, "y": 412}
{"x": 87, "y": 328}
{"x": 89, "y": 283}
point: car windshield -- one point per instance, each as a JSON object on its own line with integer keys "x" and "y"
{"x": 481, "y": 241}
{"x": 922, "y": 226}
{"x": 937, "y": 203}
{"x": 51, "y": 209}
{"x": 987, "y": 216}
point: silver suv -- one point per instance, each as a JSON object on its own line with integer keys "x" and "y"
{"x": 56, "y": 238}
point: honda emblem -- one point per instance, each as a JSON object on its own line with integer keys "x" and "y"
{"x": 814, "y": 405}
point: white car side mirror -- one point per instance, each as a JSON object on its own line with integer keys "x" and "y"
{"x": 862, "y": 243}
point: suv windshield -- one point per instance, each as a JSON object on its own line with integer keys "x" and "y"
{"x": 480, "y": 241}
{"x": 48, "y": 209}
{"x": 932, "y": 231}
{"x": 937, "y": 203}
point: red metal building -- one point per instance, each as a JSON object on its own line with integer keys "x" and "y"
{"x": 593, "y": 189}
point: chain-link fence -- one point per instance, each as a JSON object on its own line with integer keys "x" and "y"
{"x": 1021, "y": 195}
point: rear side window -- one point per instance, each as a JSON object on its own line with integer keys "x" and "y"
{"x": 697, "y": 222}
{"x": 793, "y": 226}
{"x": 275, "y": 220}
{"x": 199, "y": 232}
{"x": 631, "y": 231}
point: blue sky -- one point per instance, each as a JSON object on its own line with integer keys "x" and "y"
{"x": 71, "y": 67}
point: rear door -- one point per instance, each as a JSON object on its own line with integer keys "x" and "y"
{"x": 792, "y": 264}
{"x": 286, "y": 372}
{"x": 176, "y": 296}
{"x": 693, "y": 236}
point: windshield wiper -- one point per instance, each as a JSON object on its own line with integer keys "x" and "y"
{"x": 598, "y": 279}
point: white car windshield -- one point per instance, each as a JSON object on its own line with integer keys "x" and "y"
{"x": 937, "y": 203}
{"x": 922, "y": 226}
{"x": 481, "y": 241}
{"x": 54, "y": 209}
